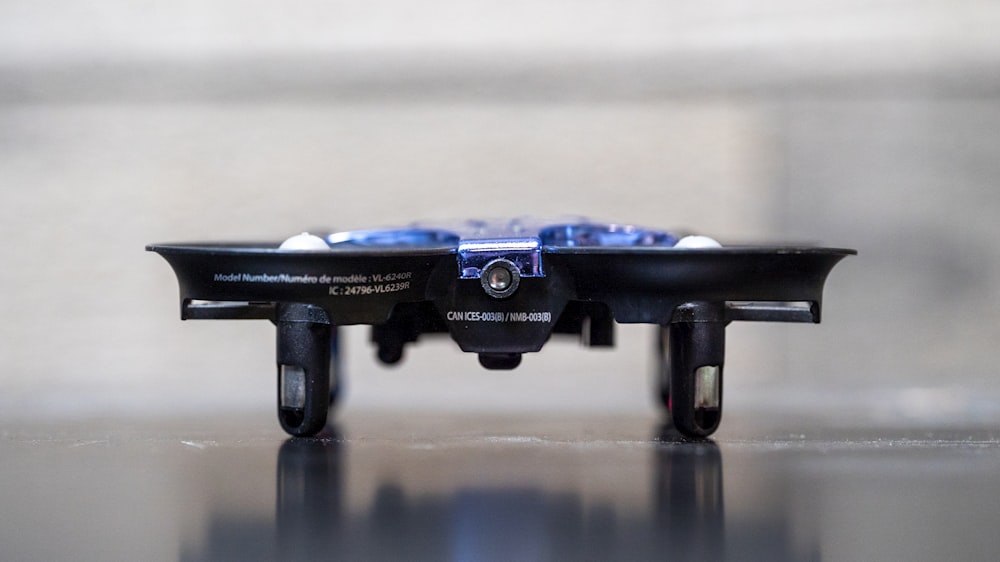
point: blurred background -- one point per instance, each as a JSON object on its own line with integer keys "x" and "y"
{"x": 872, "y": 125}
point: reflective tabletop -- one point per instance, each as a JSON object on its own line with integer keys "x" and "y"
{"x": 397, "y": 486}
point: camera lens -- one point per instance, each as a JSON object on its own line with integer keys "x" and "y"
{"x": 500, "y": 278}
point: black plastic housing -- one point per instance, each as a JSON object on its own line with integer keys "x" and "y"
{"x": 404, "y": 292}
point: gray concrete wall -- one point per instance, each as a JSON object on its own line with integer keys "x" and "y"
{"x": 866, "y": 125}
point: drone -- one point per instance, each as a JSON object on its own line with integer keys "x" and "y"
{"x": 501, "y": 289}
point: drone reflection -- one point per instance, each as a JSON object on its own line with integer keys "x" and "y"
{"x": 683, "y": 517}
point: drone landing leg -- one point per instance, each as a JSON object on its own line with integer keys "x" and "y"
{"x": 695, "y": 357}
{"x": 304, "y": 365}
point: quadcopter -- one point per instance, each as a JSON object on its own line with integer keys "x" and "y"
{"x": 501, "y": 289}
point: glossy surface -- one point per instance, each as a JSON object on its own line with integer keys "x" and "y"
{"x": 467, "y": 487}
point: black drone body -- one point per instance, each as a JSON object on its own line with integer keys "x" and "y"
{"x": 500, "y": 290}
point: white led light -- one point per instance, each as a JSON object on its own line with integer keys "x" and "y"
{"x": 305, "y": 242}
{"x": 693, "y": 242}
